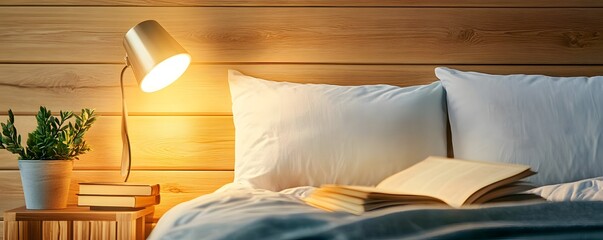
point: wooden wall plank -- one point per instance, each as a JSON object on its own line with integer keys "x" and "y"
{"x": 162, "y": 142}
{"x": 331, "y": 3}
{"x": 203, "y": 90}
{"x": 97, "y": 86}
{"x": 313, "y": 35}
{"x": 176, "y": 186}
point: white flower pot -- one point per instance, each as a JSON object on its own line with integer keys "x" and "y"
{"x": 46, "y": 183}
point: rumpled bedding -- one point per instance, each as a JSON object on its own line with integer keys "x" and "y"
{"x": 585, "y": 190}
{"x": 238, "y": 211}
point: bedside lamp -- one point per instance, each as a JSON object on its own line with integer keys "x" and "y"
{"x": 157, "y": 60}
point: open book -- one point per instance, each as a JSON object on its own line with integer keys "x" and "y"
{"x": 434, "y": 180}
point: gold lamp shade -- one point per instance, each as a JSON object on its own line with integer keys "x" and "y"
{"x": 155, "y": 57}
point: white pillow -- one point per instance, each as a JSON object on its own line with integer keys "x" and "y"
{"x": 554, "y": 124}
{"x": 584, "y": 190}
{"x": 290, "y": 134}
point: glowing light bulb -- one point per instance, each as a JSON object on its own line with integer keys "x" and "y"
{"x": 165, "y": 73}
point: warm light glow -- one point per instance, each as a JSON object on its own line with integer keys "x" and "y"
{"x": 165, "y": 73}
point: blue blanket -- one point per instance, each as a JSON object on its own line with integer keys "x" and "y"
{"x": 257, "y": 214}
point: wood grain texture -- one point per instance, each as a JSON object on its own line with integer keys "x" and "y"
{"x": 160, "y": 142}
{"x": 75, "y": 213}
{"x": 60, "y": 230}
{"x": 1, "y": 230}
{"x": 81, "y": 230}
{"x": 331, "y": 3}
{"x": 11, "y": 230}
{"x": 57, "y": 86}
{"x": 313, "y": 35}
{"x": 81, "y": 223}
{"x": 176, "y": 186}
{"x": 126, "y": 230}
{"x": 203, "y": 90}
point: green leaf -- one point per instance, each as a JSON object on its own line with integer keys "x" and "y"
{"x": 11, "y": 116}
{"x": 53, "y": 138}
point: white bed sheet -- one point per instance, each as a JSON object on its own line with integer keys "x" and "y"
{"x": 228, "y": 197}
{"x": 590, "y": 189}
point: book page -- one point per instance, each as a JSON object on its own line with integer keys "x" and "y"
{"x": 450, "y": 180}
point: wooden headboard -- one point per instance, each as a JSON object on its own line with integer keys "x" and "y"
{"x": 67, "y": 54}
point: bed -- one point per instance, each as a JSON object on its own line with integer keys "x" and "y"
{"x": 294, "y": 132}
{"x": 293, "y": 137}
{"x": 241, "y": 212}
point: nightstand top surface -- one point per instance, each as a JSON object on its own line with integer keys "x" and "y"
{"x": 74, "y": 213}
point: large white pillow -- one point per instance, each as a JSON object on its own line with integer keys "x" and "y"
{"x": 290, "y": 134}
{"x": 554, "y": 124}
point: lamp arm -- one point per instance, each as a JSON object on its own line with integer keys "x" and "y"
{"x": 126, "y": 156}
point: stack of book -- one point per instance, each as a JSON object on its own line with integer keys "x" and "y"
{"x": 434, "y": 180}
{"x": 105, "y": 196}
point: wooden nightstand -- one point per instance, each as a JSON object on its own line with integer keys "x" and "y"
{"x": 76, "y": 223}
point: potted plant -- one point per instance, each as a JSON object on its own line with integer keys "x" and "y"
{"x": 46, "y": 162}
